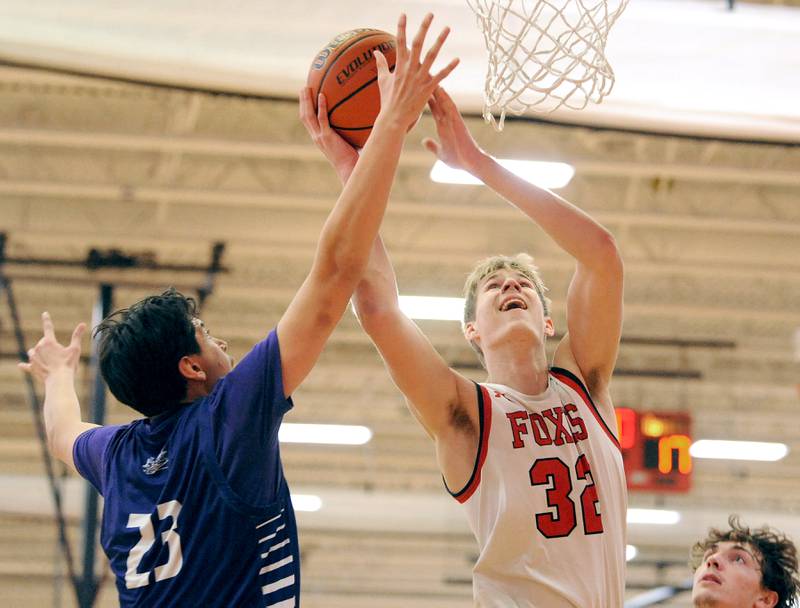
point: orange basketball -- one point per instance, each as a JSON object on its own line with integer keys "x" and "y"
{"x": 345, "y": 71}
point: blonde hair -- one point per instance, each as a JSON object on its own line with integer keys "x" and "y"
{"x": 522, "y": 263}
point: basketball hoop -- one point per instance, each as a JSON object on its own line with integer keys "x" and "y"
{"x": 544, "y": 54}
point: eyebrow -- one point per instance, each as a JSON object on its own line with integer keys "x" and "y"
{"x": 746, "y": 550}
{"x": 714, "y": 548}
{"x": 518, "y": 273}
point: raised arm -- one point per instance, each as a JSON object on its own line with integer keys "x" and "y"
{"x": 438, "y": 396}
{"x": 431, "y": 388}
{"x": 352, "y": 225}
{"x": 56, "y": 365}
{"x": 594, "y": 300}
{"x": 444, "y": 401}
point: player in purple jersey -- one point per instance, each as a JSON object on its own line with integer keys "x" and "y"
{"x": 197, "y": 511}
{"x": 744, "y": 568}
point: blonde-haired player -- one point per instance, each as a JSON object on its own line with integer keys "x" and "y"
{"x": 531, "y": 453}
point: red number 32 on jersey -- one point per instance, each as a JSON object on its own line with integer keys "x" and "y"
{"x": 556, "y": 474}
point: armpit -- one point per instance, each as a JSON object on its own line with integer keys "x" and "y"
{"x": 461, "y": 421}
{"x": 594, "y": 382}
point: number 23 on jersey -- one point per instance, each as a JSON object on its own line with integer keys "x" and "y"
{"x": 170, "y": 537}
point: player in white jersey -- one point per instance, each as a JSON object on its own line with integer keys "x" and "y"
{"x": 532, "y": 453}
{"x": 546, "y": 464}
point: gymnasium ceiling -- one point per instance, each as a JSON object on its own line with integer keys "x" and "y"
{"x": 681, "y": 64}
{"x": 709, "y": 228}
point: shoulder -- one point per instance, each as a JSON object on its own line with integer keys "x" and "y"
{"x": 600, "y": 402}
{"x": 593, "y": 382}
{"x": 106, "y": 434}
{"x": 260, "y": 367}
{"x": 109, "y": 439}
{"x": 92, "y": 448}
{"x": 269, "y": 348}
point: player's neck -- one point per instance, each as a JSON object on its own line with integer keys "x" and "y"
{"x": 525, "y": 370}
{"x": 194, "y": 391}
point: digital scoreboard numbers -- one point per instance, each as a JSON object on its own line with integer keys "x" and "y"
{"x": 655, "y": 449}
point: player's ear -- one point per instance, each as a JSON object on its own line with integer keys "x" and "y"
{"x": 470, "y": 331}
{"x": 549, "y": 328}
{"x": 190, "y": 368}
{"x": 767, "y": 599}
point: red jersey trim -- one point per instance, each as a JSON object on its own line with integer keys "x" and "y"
{"x": 485, "y": 425}
{"x": 572, "y": 381}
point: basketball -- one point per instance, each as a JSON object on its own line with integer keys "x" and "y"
{"x": 345, "y": 71}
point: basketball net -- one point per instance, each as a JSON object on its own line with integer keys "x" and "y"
{"x": 544, "y": 54}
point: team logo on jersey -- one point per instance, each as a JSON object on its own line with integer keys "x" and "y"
{"x": 553, "y": 426}
{"x": 154, "y": 465}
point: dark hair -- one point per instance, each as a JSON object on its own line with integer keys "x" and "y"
{"x": 777, "y": 556}
{"x": 140, "y": 348}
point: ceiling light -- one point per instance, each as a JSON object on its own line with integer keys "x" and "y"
{"x": 337, "y": 434}
{"x": 539, "y": 173}
{"x": 630, "y": 552}
{"x": 439, "y": 309}
{"x": 738, "y": 450}
{"x": 306, "y": 502}
{"x": 653, "y": 516}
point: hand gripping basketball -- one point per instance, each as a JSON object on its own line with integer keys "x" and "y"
{"x": 339, "y": 152}
{"x": 405, "y": 92}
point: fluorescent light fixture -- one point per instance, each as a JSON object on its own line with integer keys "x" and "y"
{"x": 539, "y": 173}
{"x": 336, "y": 434}
{"x": 438, "y": 309}
{"x": 306, "y": 502}
{"x": 653, "y": 516}
{"x": 738, "y": 450}
{"x": 630, "y": 552}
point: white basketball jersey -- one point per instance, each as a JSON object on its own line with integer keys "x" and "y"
{"x": 547, "y": 500}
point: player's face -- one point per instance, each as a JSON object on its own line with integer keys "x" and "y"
{"x": 213, "y": 354}
{"x": 730, "y": 577}
{"x": 507, "y": 300}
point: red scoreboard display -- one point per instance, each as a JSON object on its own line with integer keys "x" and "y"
{"x": 655, "y": 448}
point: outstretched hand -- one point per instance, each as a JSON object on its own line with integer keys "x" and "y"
{"x": 49, "y": 356}
{"x": 405, "y": 91}
{"x": 455, "y": 147}
{"x": 341, "y": 154}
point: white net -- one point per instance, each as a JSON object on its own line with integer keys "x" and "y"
{"x": 544, "y": 54}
